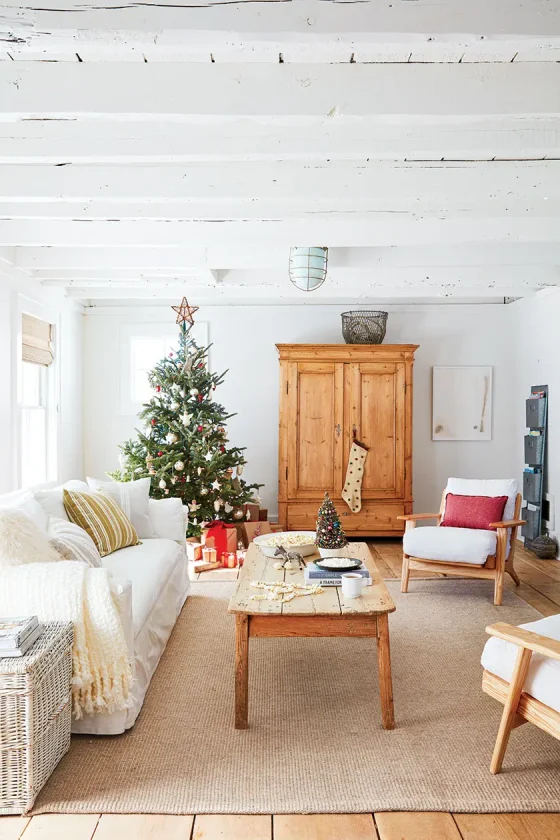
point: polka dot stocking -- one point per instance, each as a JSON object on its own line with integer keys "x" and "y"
{"x": 352, "y": 492}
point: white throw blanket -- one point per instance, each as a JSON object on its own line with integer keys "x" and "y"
{"x": 71, "y": 591}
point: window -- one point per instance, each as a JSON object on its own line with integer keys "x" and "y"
{"x": 34, "y": 420}
{"x": 142, "y": 347}
{"x": 37, "y": 425}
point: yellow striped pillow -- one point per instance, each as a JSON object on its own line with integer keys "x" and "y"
{"x": 102, "y": 518}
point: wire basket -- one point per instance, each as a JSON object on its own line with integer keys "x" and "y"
{"x": 365, "y": 326}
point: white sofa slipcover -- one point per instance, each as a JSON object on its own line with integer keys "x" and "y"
{"x": 151, "y": 582}
{"x": 543, "y": 678}
{"x": 452, "y": 545}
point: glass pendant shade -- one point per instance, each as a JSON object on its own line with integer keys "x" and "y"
{"x": 308, "y": 267}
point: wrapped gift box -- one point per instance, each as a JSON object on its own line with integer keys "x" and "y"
{"x": 251, "y": 512}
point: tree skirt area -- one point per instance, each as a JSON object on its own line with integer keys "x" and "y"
{"x": 315, "y": 742}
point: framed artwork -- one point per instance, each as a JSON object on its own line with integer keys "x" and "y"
{"x": 462, "y": 403}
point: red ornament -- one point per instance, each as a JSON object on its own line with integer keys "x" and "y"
{"x": 200, "y": 397}
{"x": 160, "y": 454}
{"x": 222, "y": 449}
{"x": 183, "y": 480}
{"x": 153, "y": 421}
{"x": 200, "y": 428}
{"x": 200, "y": 366}
{"x": 171, "y": 355}
{"x": 158, "y": 388}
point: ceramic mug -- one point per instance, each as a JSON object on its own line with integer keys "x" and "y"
{"x": 352, "y": 585}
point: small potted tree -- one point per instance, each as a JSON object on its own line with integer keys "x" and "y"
{"x": 330, "y": 536}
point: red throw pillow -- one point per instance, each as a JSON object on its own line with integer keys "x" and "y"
{"x": 473, "y": 511}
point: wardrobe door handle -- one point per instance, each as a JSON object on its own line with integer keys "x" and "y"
{"x": 354, "y": 432}
{"x": 337, "y": 429}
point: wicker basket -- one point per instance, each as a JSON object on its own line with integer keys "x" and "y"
{"x": 35, "y": 712}
{"x": 364, "y": 327}
{"x": 544, "y": 547}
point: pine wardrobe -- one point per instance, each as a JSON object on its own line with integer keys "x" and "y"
{"x": 331, "y": 394}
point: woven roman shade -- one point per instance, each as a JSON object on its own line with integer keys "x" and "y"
{"x": 36, "y": 341}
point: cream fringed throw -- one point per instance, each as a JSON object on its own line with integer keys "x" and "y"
{"x": 70, "y": 591}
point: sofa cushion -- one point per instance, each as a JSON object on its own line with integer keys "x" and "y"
{"x": 24, "y": 502}
{"x": 454, "y": 545}
{"x": 133, "y": 497}
{"x": 102, "y": 518}
{"x": 476, "y": 512}
{"x": 50, "y": 499}
{"x": 73, "y": 542}
{"x": 22, "y": 541}
{"x": 148, "y": 567}
{"x": 543, "y": 678}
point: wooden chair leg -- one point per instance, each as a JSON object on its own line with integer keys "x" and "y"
{"x": 511, "y": 571}
{"x": 405, "y": 573}
{"x": 499, "y": 588}
{"x": 508, "y": 720}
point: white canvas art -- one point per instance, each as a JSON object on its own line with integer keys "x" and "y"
{"x": 462, "y": 403}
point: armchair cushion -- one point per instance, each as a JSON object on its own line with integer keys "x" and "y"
{"x": 472, "y": 511}
{"x": 450, "y": 545}
{"x": 543, "y": 678}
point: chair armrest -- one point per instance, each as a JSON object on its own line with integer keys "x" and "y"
{"x": 412, "y": 517}
{"x": 526, "y": 639}
{"x": 509, "y": 523}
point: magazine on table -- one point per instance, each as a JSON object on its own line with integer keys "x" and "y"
{"x": 18, "y": 634}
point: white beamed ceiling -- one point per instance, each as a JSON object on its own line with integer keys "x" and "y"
{"x": 153, "y": 150}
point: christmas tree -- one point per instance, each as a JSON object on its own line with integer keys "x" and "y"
{"x": 329, "y": 529}
{"x": 183, "y": 446}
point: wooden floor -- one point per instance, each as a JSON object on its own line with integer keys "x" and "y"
{"x": 540, "y": 587}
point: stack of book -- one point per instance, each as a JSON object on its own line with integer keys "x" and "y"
{"x": 320, "y": 577}
{"x": 18, "y": 634}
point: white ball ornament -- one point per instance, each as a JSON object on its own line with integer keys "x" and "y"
{"x": 193, "y": 392}
{"x": 179, "y": 465}
{"x": 217, "y": 506}
{"x": 162, "y": 484}
{"x": 203, "y": 491}
{"x": 174, "y": 406}
{"x": 171, "y": 437}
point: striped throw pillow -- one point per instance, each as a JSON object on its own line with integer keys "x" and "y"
{"x": 73, "y": 542}
{"x": 102, "y": 518}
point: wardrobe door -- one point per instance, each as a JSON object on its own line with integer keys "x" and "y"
{"x": 313, "y": 428}
{"x": 375, "y": 402}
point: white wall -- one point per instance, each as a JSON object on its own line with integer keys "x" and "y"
{"x": 50, "y": 304}
{"x": 537, "y": 358}
{"x": 243, "y": 340}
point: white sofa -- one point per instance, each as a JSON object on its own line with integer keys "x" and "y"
{"x": 152, "y": 583}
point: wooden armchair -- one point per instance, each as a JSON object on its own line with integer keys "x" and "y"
{"x": 525, "y": 678}
{"x": 467, "y": 552}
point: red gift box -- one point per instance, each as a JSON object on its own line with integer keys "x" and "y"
{"x": 223, "y": 535}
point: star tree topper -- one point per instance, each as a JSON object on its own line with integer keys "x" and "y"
{"x": 185, "y": 312}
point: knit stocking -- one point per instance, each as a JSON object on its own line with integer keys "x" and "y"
{"x": 352, "y": 492}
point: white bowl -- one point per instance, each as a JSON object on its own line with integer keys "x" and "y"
{"x": 269, "y": 550}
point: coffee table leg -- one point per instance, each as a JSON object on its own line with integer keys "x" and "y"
{"x": 241, "y": 671}
{"x": 384, "y": 667}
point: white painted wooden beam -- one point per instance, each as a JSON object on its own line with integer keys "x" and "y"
{"x": 294, "y": 21}
{"x": 69, "y": 262}
{"x": 83, "y": 141}
{"x": 280, "y": 190}
{"x": 335, "y": 230}
{"x": 280, "y": 94}
{"x": 354, "y": 281}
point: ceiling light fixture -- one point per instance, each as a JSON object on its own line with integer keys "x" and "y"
{"x": 308, "y": 267}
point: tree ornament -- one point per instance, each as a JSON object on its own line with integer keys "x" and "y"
{"x": 200, "y": 428}
{"x": 174, "y": 406}
{"x": 228, "y": 508}
{"x": 238, "y": 513}
{"x": 171, "y": 437}
{"x": 204, "y": 491}
{"x": 158, "y": 388}
{"x": 175, "y": 387}
{"x": 162, "y": 484}
{"x": 173, "y": 479}
{"x": 193, "y": 507}
{"x": 208, "y": 456}
{"x": 185, "y": 312}
{"x": 199, "y": 470}
{"x": 167, "y": 492}
{"x": 229, "y": 472}
{"x": 186, "y": 418}
{"x": 152, "y": 471}
{"x": 160, "y": 454}
{"x": 217, "y": 506}
{"x": 149, "y": 459}
{"x": 222, "y": 449}
{"x": 216, "y": 485}
{"x": 153, "y": 421}
{"x": 193, "y": 392}
{"x": 187, "y": 367}
{"x": 171, "y": 355}
{"x": 240, "y": 469}
{"x": 187, "y": 478}
{"x": 200, "y": 398}
{"x": 179, "y": 465}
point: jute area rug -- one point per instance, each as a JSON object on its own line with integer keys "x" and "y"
{"x": 315, "y": 742}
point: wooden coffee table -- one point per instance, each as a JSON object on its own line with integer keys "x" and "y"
{"x": 327, "y": 614}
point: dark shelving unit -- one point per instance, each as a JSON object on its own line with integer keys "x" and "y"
{"x": 536, "y": 414}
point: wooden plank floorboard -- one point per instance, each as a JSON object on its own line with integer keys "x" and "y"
{"x": 11, "y": 828}
{"x": 143, "y": 827}
{"x": 509, "y": 826}
{"x": 61, "y": 827}
{"x": 236, "y": 827}
{"x": 324, "y": 827}
{"x": 416, "y": 826}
